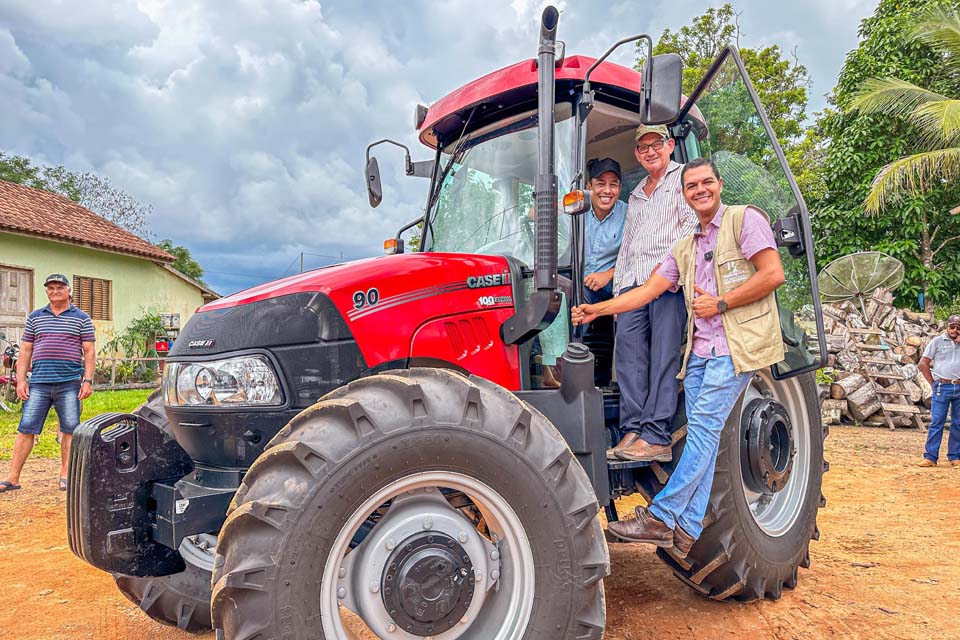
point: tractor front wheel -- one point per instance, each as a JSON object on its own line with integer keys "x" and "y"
{"x": 412, "y": 504}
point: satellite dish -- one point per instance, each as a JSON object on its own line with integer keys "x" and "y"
{"x": 857, "y": 275}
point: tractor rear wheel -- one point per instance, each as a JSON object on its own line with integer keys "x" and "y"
{"x": 412, "y": 504}
{"x": 183, "y": 599}
{"x": 765, "y": 496}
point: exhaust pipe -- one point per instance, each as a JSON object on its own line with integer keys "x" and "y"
{"x": 544, "y": 304}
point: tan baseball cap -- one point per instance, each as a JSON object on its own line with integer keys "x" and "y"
{"x": 644, "y": 129}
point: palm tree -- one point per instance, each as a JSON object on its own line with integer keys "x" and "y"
{"x": 936, "y": 117}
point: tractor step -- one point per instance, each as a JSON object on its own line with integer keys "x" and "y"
{"x": 617, "y": 465}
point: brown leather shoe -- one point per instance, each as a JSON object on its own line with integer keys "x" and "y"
{"x": 643, "y": 528}
{"x": 927, "y": 463}
{"x": 682, "y": 542}
{"x": 642, "y": 451}
{"x": 628, "y": 439}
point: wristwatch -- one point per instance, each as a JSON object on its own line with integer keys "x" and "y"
{"x": 87, "y": 380}
{"x": 721, "y": 305}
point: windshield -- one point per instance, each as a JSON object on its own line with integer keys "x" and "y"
{"x": 485, "y": 204}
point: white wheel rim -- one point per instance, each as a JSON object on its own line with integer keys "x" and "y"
{"x": 506, "y": 612}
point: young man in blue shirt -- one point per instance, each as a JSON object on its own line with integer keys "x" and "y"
{"x": 603, "y": 232}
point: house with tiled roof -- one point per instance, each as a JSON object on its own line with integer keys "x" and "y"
{"x": 116, "y": 275}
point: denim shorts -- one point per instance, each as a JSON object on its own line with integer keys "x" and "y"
{"x": 62, "y": 396}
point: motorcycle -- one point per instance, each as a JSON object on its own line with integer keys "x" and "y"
{"x": 8, "y": 378}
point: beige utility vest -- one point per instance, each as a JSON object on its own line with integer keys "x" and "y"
{"x": 752, "y": 330}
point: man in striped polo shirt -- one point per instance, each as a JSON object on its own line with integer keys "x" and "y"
{"x": 647, "y": 357}
{"x": 58, "y": 344}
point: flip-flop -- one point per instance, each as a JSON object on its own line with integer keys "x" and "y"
{"x": 7, "y": 486}
{"x": 63, "y": 484}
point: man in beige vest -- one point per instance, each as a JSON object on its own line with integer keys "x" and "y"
{"x": 729, "y": 269}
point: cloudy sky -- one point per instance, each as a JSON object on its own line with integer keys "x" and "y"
{"x": 243, "y": 123}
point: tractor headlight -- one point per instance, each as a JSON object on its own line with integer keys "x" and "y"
{"x": 247, "y": 381}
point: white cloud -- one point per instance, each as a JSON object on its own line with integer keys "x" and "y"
{"x": 244, "y": 123}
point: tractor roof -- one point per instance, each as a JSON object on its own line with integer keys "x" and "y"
{"x": 513, "y": 89}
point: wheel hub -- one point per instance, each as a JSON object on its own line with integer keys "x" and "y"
{"x": 428, "y": 584}
{"x": 766, "y": 445}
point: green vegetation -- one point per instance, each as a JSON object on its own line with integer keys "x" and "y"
{"x": 85, "y": 188}
{"x": 185, "y": 264}
{"x": 99, "y": 402}
{"x": 862, "y": 139}
{"x": 781, "y": 84}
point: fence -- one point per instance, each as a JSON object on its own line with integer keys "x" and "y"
{"x": 122, "y": 369}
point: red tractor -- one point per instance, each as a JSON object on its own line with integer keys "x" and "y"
{"x": 368, "y": 449}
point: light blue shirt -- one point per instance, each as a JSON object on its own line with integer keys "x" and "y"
{"x": 601, "y": 238}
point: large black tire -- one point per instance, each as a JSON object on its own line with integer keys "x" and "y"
{"x": 376, "y": 433}
{"x": 183, "y": 599}
{"x": 735, "y": 558}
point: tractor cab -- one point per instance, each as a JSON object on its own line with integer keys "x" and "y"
{"x": 487, "y": 143}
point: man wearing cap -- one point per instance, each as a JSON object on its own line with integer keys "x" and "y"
{"x": 944, "y": 353}
{"x": 647, "y": 356}
{"x": 58, "y": 345}
{"x": 603, "y": 230}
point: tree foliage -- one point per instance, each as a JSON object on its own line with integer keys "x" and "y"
{"x": 861, "y": 143}
{"x": 781, "y": 84}
{"x": 185, "y": 264}
{"x": 94, "y": 192}
{"x": 936, "y": 117}
{"x": 20, "y": 170}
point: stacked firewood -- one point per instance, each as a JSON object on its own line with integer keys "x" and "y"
{"x": 872, "y": 363}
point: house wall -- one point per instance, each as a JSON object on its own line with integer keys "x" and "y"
{"x": 139, "y": 284}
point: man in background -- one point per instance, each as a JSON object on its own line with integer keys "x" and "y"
{"x": 58, "y": 346}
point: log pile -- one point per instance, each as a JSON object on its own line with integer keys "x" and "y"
{"x": 872, "y": 363}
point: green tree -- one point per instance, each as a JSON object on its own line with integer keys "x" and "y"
{"x": 185, "y": 264}
{"x": 87, "y": 189}
{"x": 20, "y": 170}
{"x": 935, "y": 117}
{"x": 917, "y": 227}
{"x": 781, "y": 84}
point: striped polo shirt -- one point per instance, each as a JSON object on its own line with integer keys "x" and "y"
{"x": 654, "y": 224}
{"x": 57, "y": 344}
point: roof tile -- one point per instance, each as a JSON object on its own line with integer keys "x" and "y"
{"x": 48, "y": 215}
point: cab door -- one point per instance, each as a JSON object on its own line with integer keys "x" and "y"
{"x": 732, "y": 129}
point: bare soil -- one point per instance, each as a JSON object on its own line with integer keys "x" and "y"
{"x": 887, "y": 564}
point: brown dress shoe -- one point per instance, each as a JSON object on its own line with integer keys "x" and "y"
{"x": 642, "y": 451}
{"x": 629, "y": 438}
{"x": 643, "y": 528}
{"x": 927, "y": 463}
{"x": 682, "y": 542}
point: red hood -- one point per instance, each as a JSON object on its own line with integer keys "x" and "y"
{"x": 405, "y": 272}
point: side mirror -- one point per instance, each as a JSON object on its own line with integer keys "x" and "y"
{"x": 374, "y": 188}
{"x": 660, "y": 99}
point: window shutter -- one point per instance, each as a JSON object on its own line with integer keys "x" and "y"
{"x": 94, "y": 297}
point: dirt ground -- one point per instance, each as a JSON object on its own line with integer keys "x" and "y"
{"x": 887, "y": 564}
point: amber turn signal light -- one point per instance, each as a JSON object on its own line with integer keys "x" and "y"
{"x": 392, "y": 246}
{"x": 575, "y": 202}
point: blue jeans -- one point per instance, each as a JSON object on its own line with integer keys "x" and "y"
{"x": 62, "y": 396}
{"x": 712, "y": 388}
{"x": 944, "y": 395}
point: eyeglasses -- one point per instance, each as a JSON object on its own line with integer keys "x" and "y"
{"x": 656, "y": 146}
{"x": 953, "y": 326}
